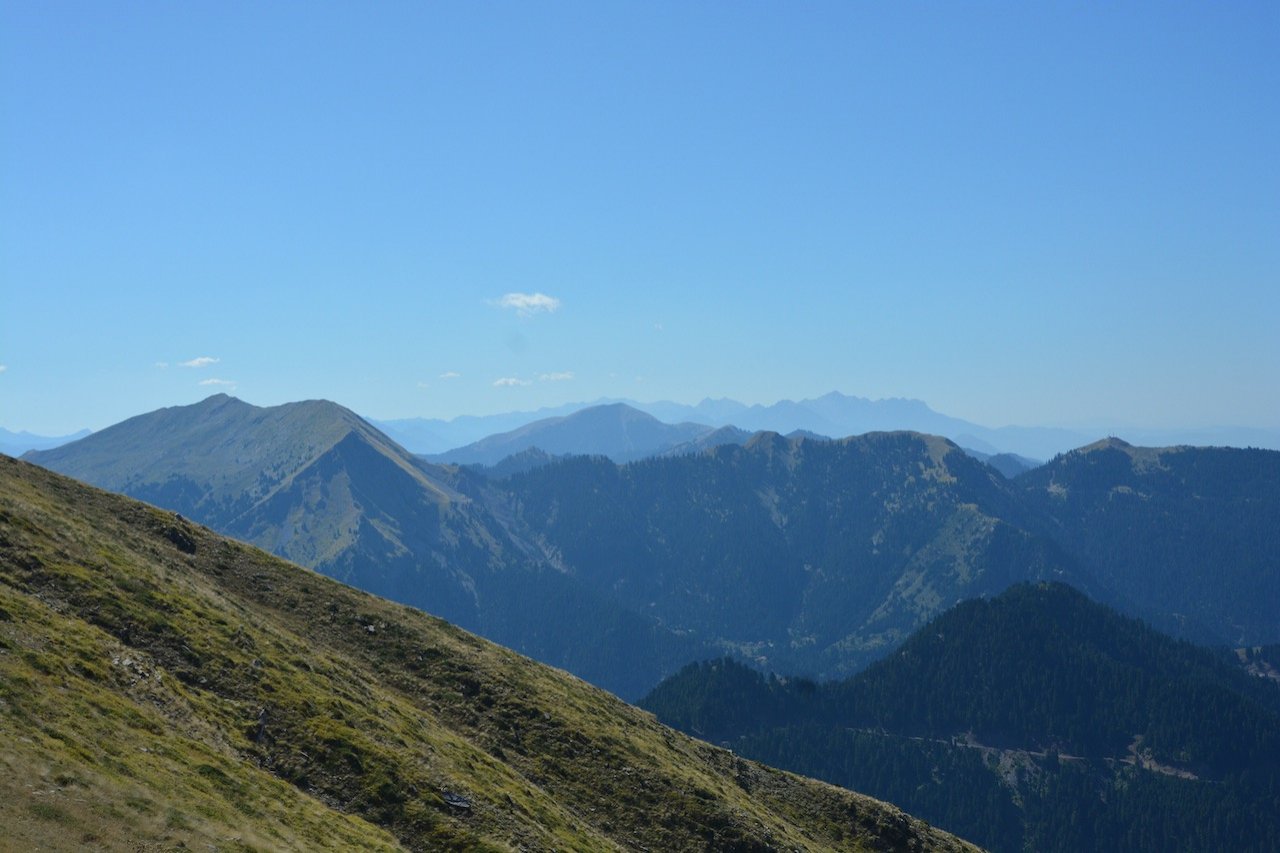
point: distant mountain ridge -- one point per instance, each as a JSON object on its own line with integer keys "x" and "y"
{"x": 18, "y": 443}
{"x": 615, "y": 430}
{"x": 1009, "y": 464}
{"x": 834, "y": 414}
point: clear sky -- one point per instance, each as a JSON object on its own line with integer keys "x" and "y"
{"x": 1030, "y": 213}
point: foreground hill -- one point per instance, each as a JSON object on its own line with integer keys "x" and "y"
{"x": 1037, "y": 720}
{"x": 163, "y": 686}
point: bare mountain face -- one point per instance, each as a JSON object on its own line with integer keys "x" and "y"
{"x": 800, "y": 555}
{"x": 162, "y": 687}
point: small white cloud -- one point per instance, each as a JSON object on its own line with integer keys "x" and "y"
{"x": 510, "y": 382}
{"x": 450, "y": 374}
{"x": 230, "y": 383}
{"x": 424, "y": 385}
{"x": 3, "y": 368}
{"x": 556, "y": 377}
{"x": 202, "y": 361}
{"x": 162, "y": 364}
{"x": 528, "y": 304}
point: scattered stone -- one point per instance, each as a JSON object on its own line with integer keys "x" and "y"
{"x": 457, "y": 801}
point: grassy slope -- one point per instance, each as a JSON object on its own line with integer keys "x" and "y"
{"x": 162, "y": 685}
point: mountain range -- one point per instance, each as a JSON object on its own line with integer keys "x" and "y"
{"x": 615, "y": 430}
{"x": 162, "y": 687}
{"x": 18, "y": 443}
{"x": 1036, "y": 720}
{"x": 799, "y": 555}
{"x": 832, "y": 414}
{"x": 623, "y": 434}
{"x": 805, "y": 556}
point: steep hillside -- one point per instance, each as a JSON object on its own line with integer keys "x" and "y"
{"x": 615, "y": 430}
{"x": 811, "y": 556}
{"x": 314, "y": 483}
{"x": 161, "y": 686}
{"x": 1036, "y": 720}
{"x": 1190, "y": 536}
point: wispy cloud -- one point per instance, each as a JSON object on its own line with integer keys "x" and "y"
{"x": 202, "y": 361}
{"x": 528, "y": 304}
{"x": 556, "y": 377}
{"x": 229, "y": 383}
{"x": 162, "y": 364}
{"x": 510, "y": 382}
{"x": 424, "y": 385}
{"x": 450, "y": 374}
{"x": 3, "y": 368}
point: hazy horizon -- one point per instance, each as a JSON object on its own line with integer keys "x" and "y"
{"x": 1096, "y": 430}
{"x": 1031, "y": 215}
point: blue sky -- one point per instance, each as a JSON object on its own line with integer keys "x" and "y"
{"x": 1048, "y": 213}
